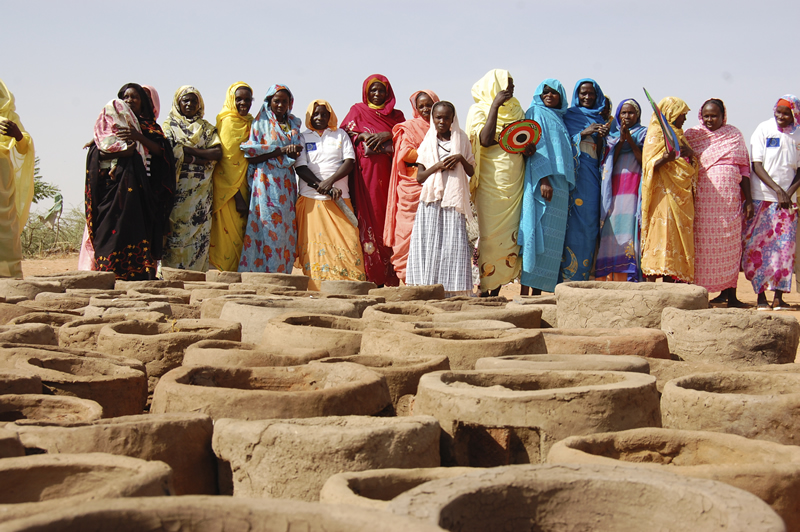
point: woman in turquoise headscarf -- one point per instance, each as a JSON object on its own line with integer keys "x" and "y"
{"x": 588, "y": 128}
{"x": 273, "y": 147}
{"x": 549, "y": 178}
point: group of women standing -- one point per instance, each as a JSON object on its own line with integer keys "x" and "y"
{"x": 387, "y": 199}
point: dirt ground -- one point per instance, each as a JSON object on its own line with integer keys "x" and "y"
{"x": 70, "y": 262}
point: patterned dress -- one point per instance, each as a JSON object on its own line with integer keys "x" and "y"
{"x": 271, "y": 232}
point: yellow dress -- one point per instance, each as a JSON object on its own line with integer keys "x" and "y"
{"x": 230, "y": 176}
{"x": 16, "y": 188}
{"x": 667, "y": 202}
{"x": 496, "y": 186}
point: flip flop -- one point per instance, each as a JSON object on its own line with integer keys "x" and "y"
{"x": 764, "y": 306}
{"x": 782, "y": 307}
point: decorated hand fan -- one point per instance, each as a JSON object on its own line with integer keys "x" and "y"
{"x": 516, "y": 136}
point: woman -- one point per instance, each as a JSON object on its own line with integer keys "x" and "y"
{"x": 588, "y": 128}
{"x": 768, "y": 258}
{"x": 196, "y": 146}
{"x": 17, "y": 157}
{"x": 229, "y": 207}
{"x": 369, "y": 125}
{"x": 667, "y": 199}
{"x": 86, "y": 255}
{"x": 498, "y": 179}
{"x": 549, "y": 177}
{"x": 722, "y": 179}
{"x": 401, "y": 206}
{"x": 440, "y": 252}
{"x": 620, "y": 203}
{"x": 127, "y": 210}
{"x": 271, "y": 151}
{"x": 327, "y": 242}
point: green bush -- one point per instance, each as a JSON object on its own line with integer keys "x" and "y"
{"x": 40, "y": 240}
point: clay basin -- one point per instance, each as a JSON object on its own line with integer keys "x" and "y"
{"x": 313, "y": 390}
{"x": 212, "y": 514}
{"x": 47, "y": 409}
{"x": 567, "y": 362}
{"x": 227, "y": 353}
{"x": 770, "y": 471}
{"x": 567, "y": 497}
{"x": 40, "y": 483}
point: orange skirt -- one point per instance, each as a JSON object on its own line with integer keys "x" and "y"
{"x": 328, "y": 246}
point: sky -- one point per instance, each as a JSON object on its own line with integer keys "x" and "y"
{"x": 64, "y": 60}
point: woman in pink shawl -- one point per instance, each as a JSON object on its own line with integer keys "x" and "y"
{"x": 722, "y": 181}
{"x": 401, "y": 206}
{"x": 369, "y": 125}
{"x": 86, "y": 255}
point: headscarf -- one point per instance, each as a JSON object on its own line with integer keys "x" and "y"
{"x": 413, "y": 101}
{"x": 452, "y": 190}
{"x": 578, "y": 118}
{"x": 230, "y": 172}
{"x": 193, "y": 132}
{"x": 267, "y": 135}
{"x": 333, "y": 122}
{"x": 22, "y": 160}
{"x": 388, "y": 104}
{"x": 155, "y": 99}
{"x": 638, "y": 133}
{"x": 116, "y": 114}
{"x": 795, "y": 107}
{"x": 484, "y": 92}
{"x": 725, "y": 145}
{"x": 671, "y": 107}
{"x": 407, "y": 137}
{"x": 363, "y": 119}
{"x": 555, "y": 155}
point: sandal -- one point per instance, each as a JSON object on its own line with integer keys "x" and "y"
{"x": 782, "y": 306}
{"x": 764, "y": 306}
{"x": 738, "y": 304}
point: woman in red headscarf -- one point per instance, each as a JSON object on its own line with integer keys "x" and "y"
{"x": 369, "y": 125}
{"x": 401, "y": 206}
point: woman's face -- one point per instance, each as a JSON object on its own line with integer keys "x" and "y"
{"x": 783, "y": 116}
{"x": 188, "y": 105}
{"x": 551, "y": 98}
{"x": 712, "y": 116}
{"x": 134, "y": 101}
{"x": 442, "y": 119}
{"x": 320, "y": 117}
{"x": 628, "y": 115}
{"x": 424, "y": 106}
{"x": 243, "y": 99}
{"x": 587, "y": 96}
{"x": 376, "y": 94}
{"x": 680, "y": 121}
{"x": 279, "y": 104}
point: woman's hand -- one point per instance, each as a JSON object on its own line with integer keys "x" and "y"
{"x": 546, "y": 189}
{"x": 375, "y": 140}
{"x": 240, "y": 203}
{"x": 502, "y": 97}
{"x": 292, "y": 150}
{"x": 326, "y": 186}
{"x": 625, "y": 134}
{"x": 749, "y": 210}
{"x": 450, "y": 162}
{"x": 686, "y": 151}
{"x": 129, "y": 135}
{"x": 784, "y": 200}
{"x": 530, "y": 150}
{"x": 10, "y": 129}
{"x": 601, "y": 129}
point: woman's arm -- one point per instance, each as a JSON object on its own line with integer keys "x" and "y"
{"x": 666, "y": 158}
{"x": 490, "y": 127}
{"x": 784, "y": 199}
{"x": 744, "y": 184}
{"x": 423, "y": 173}
{"x": 209, "y": 154}
{"x": 327, "y": 185}
{"x": 292, "y": 150}
{"x": 795, "y": 185}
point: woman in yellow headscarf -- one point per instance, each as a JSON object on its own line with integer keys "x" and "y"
{"x": 498, "y": 180}
{"x": 231, "y": 196}
{"x": 668, "y": 199}
{"x": 16, "y": 184}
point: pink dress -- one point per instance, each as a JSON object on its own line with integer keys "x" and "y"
{"x": 718, "y": 219}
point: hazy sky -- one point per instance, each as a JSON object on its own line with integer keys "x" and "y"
{"x": 63, "y": 60}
